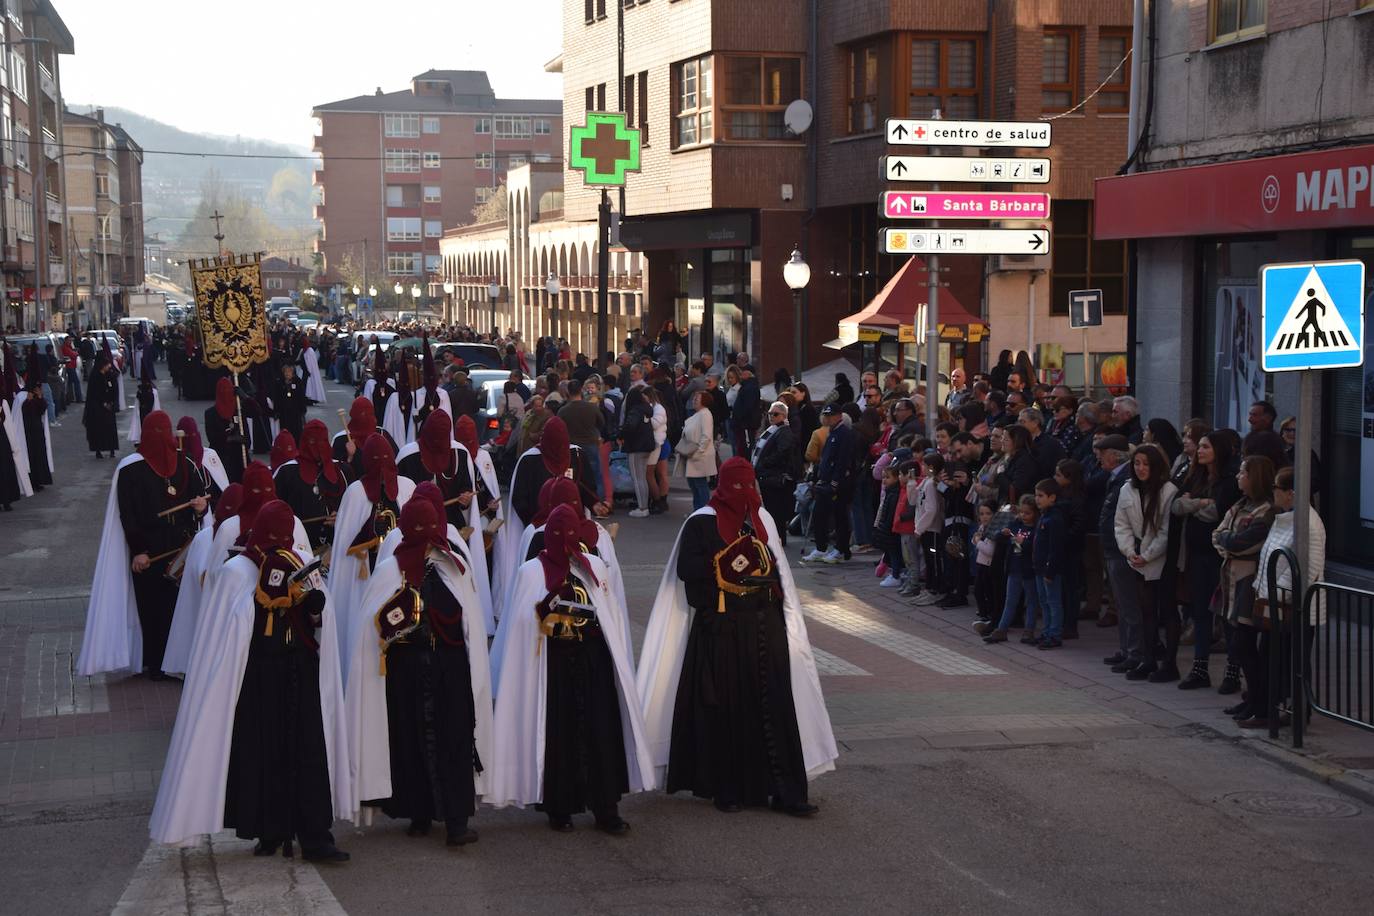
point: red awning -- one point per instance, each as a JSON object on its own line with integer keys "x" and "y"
{"x": 897, "y": 304}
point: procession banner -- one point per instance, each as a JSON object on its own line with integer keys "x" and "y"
{"x": 229, "y": 303}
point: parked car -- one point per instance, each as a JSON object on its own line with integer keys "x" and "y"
{"x": 116, "y": 344}
{"x": 19, "y": 345}
{"x": 473, "y": 355}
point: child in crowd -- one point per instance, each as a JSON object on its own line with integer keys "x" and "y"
{"x": 883, "y": 537}
{"x": 1049, "y": 561}
{"x": 984, "y": 544}
{"x": 1020, "y": 574}
{"x": 911, "y": 544}
{"x": 955, "y": 537}
{"x": 930, "y": 522}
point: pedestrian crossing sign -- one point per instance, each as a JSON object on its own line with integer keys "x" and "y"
{"x": 1313, "y": 315}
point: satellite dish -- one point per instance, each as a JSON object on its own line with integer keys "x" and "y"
{"x": 798, "y": 117}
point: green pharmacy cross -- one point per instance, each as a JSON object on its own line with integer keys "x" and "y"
{"x": 604, "y": 149}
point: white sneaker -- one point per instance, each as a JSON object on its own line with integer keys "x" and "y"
{"x": 890, "y": 582}
{"x": 927, "y": 598}
{"x": 813, "y": 557}
{"x": 639, "y": 513}
{"x": 831, "y": 556}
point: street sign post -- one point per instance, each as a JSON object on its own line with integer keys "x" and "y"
{"x": 965, "y": 205}
{"x": 966, "y": 168}
{"x": 1312, "y": 318}
{"x": 1085, "y": 311}
{"x": 966, "y": 241}
{"x": 914, "y": 132}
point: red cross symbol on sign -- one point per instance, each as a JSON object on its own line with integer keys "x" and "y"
{"x": 919, "y": 132}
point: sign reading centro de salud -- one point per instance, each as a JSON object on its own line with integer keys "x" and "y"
{"x": 1312, "y": 315}
{"x": 604, "y": 149}
{"x": 964, "y": 205}
{"x": 912, "y": 132}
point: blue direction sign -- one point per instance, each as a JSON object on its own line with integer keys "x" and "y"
{"x": 1312, "y": 315}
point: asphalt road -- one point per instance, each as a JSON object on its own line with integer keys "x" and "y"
{"x": 1138, "y": 820}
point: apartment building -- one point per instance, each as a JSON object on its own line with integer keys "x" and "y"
{"x": 727, "y": 190}
{"x": 398, "y": 168}
{"x": 33, "y": 219}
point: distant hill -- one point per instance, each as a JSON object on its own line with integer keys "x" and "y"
{"x": 172, "y": 184}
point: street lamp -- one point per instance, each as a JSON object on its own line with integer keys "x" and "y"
{"x": 551, "y": 286}
{"x": 494, "y": 291}
{"x": 797, "y": 273}
{"x": 448, "y": 300}
{"x": 398, "y": 289}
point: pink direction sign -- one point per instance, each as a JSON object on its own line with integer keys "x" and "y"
{"x": 966, "y": 205}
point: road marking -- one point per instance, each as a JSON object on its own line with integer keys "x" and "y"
{"x": 835, "y": 666}
{"x": 220, "y": 875}
{"x": 923, "y": 652}
{"x": 51, "y": 685}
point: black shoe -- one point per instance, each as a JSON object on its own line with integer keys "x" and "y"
{"x": 461, "y": 837}
{"x": 1240, "y": 711}
{"x": 1166, "y": 674}
{"x": 1141, "y": 672}
{"x": 613, "y": 826}
{"x": 418, "y": 827}
{"x": 1050, "y": 642}
{"x": 7, "y": 508}
{"x": 1231, "y": 682}
{"x": 728, "y": 807}
{"x": 801, "y": 810}
{"x": 1116, "y": 659}
{"x": 952, "y": 601}
{"x": 1196, "y": 678}
{"x": 560, "y": 824}
{"x": 266, "y": 848}
{"x": 1128, "y": 665}
{"x": 328, "y": 855}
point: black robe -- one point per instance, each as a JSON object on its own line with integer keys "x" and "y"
{"x": 40, "y": 475}
{"x": 227, "y": 438}
{"x": 430, "y": 715}
{"x": 530, "y": 477}
{"x": 9, "y": 473}
{"x": 278, "y": 782}
{"x": 145, "y": 401}
{"x": 313, "y": 501}
{"x": 584, "y": 744}
{"x": 102, "y": 403}
{"x": 142, "y": 494}
{"x": 735, "y": 737}
{"x": 452, "y": 486}
{"x": 288, "y": 400}
{"x": 340, "y": 446}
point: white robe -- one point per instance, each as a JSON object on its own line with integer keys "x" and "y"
{"x": 605, "y": 549}
{"x": 190, "y": 796}
{"x": 136, "y": 422}
{"x": 314, "y": 378}
{"x": 505, "y": 553}
{"x": 113, "y": 640}
{"x": 665, "y": 644}
{"x": 19, "y": 400}
{"x": 211, "y": 464}
{"x": 517, "y": 766}
{"x": 477, "y": 550}
{"x": 14, "y": 428}
{"x": 346, "y": 583}
{"x": 365, "y": 686}
{"x": 401, "y": 429}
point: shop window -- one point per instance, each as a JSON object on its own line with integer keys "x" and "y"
{"x": 863, "y": 102}
{"x": 756, "y": 92}
{"x": 693, "y": 114}
{"x": 1114, "y": 71}
{"x": 1059, "y": 82}
{"x": 1233, "y": 19}
{"x": 943, "y": 73}
{"x": 1079, "y": 262}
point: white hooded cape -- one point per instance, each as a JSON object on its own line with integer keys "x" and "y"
{"x": 517, "y": 767}
{"x": 19, "y": 400}
{"x": 477, "y": 551}
{"x": 190, "y": 796}
{"x": 14, "y": 428}
{"x": 314, "y": 379}
{"x": 136, "y": 422}
{"x": 345, "y": 583}
{"x": 400, "y": 429}
{"x": 211, "y": 464}
{"x": 113, "y": 640}
{"x": 365, "y": 691}
{"x": 605, "y": 549}
{"x": 506, "y": 556}
{"x": 665, "y": 643}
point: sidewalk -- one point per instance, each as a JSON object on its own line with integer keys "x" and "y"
{"x": 1334, "y": 753}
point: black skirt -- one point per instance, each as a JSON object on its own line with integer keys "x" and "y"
{"x": 430, "y": 726}
{"x": 735, "y": 737}
{"x": 40, "y": 475}
{"x": 9, "y": 473}
{"x": 584, "y": 746}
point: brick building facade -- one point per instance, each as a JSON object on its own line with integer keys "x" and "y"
{"x": 399, "y": 168}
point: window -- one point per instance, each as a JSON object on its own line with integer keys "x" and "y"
{"x": 945, "y": 74}
{"x": 692, "y": 112}
{"x": 482, "y": 160}
{"x": 542, "y": 127}
{"x": 589, "y": 10}
{"x": 515, "y": 160}
{"x": 102, "y": 185}
{"x": 21, "y": 146}
{"x": 432, "y": 160}
{"x": 482, "y": 125}
{"x": 395, "y": 195}
{"x": 1232, "y": 19}
{"x": 402, "y": 229}
{"x": 1059, "y": 69}
{"x": 431, "y": 125}
{"x": 19, "y": 75}
{"x": 863, "y": 89}
{"x": 644, "y": 107}
{"x": 433, "y": 194}
{"x": 1081, "y": 263}
{"x": 1113, "y": 71}
{"x": 402, "y": 160}
{"x": 274, "y": 282}
{"x": 483, "y": 195}
{"x": 402, "y": 125}
{"x": 543, "y": 157}
{"x": 432, "y": 263}
{"x": 629, "y": 97}
{"x": 403, "y": 262}
{"x": 511, "y": 127}
{"x": 590, "y": 102}
{"x": 756, "y": 92}
{"x": 433, "y": 229}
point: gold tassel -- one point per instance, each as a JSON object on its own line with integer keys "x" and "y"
{"x": 720, "y": 602}
{"x": 267, "y": 630}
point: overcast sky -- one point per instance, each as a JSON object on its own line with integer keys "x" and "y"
{"x": 254, "y": 68}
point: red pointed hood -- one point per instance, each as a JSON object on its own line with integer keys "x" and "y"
{"x": 157, "y": 446}
{"x": 736, "y": 500}
{"x": 191, "y": 443}
{"x": 283, "y": 449}
{"x": 379, "y": 468}
{"x": 225, "y": 404}
{"x": 436, "y": 443}
{"x": 362, "y": 421}
{"x": 554, "y": 447}
{"x": 316, "y": 455}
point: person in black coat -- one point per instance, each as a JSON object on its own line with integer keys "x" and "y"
{"x": 746, "y": 412}
{"x": 289, "y": 401}
{"x": 834, "y": 489}
{"x": 776, "y": 465}
{"x": 844, "y": 392}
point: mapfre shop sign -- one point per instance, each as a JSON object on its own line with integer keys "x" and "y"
{"x": 1326, "y": 190}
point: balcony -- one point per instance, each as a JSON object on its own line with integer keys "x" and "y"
{"x": 51, "y": 149}
{"x": 317, "y": 177}
{"x": 318, "y": 144}
{"x": 46, "y": 84}
{"x": 319, "y": 211}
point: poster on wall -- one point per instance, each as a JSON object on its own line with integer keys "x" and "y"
{"x": 1239, "y": 381}
{"x": 1367, "y": 418}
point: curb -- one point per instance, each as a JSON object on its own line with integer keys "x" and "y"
{"x": 1338, "y": 778}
